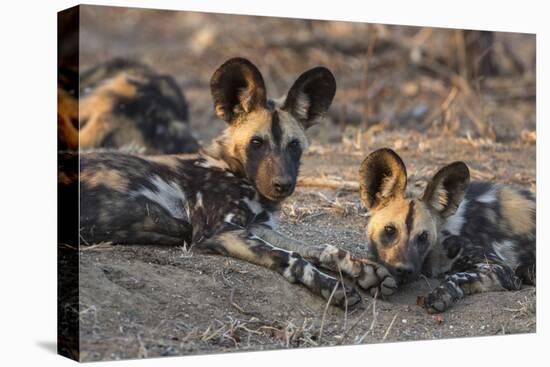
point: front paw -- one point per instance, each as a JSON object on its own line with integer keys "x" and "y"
{"x": 439, "y": 300}
{"x": 343, "y": 297}
{"x": 376, "y": 279}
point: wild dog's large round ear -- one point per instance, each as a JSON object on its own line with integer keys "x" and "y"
{"x": 382, "y": 177}
{"x": 237, "y": 88}
{"x": 311, "y": 95}
{"x": 446, "y": 190}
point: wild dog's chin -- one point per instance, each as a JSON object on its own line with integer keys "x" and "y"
{"x": 272, "y": 196}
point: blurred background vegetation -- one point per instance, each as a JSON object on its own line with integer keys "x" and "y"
{"x": 473, "y": 84}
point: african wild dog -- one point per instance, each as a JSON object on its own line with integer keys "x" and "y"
{"x": 480, "y": 235}
{"x": 123, "y": 104}
{"x": 226, "y": 200}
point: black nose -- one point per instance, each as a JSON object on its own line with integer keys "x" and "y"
{"x": 282, "y": 186}
{"x": 404, "y": 271}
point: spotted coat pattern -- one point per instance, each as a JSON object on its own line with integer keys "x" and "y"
{"x": 226, "y": 199}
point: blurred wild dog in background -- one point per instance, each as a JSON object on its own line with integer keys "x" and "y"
{"x": 123, "y": 104}
{"x": 480, "y": 236}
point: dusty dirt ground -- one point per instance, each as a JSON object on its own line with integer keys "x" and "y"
{"x": 149, "y": 301}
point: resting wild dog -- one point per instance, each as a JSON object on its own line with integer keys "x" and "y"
{"x": 480, "y": 235}
{"x": 123, "y": 104}
{"x": 226, "y": 201}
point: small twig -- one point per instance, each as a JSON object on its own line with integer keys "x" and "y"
{"x": 83, "y": 239}
{"x": 481, "y": 175}
{"x": 443, "y": 107}
{"x": 427, "y": 281}
{"x": 241, "y": 310}
{"x": 389, "y": 327}
{"x": 372, "y": 35}
{"x": 66, "y": 245}
{"x": 359, "y": 319}
{"x": 328, "y": 183}
{"x": 461, "y": 52}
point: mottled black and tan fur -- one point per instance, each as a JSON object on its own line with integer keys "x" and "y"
{"x": 480, "y": 236}
{"x": 226, "y": 200}
{"x": 124, "y": 104}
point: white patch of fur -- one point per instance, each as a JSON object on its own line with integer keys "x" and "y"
{"x": 488, "y": 197}
{"x": 309, "y": 275}
{"x": 302, "y": 106}
{"x": 278, "y": 102}
{"x": 507, "y": 252}
{"x": 327, "y": 254}
{"x": 210, "y": 162}
{"x": 346, "y": 266}
{"x": 441, "y": 199}
{"x": 228, "y": 218}
{"x": 273, "y": 221}
{"x": 187, "y": 210}
{"x": 388, "y": 186}
{"x": 198, "y": 200}
{"x": 168, "y": 195}
{"x": 455, "y": 222}
{"x": 253, "y": 205}
{"x": 288, "y": 273}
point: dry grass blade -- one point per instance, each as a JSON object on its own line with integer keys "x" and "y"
{"x": 345, "y": 298}
{"x": 447, "y": 102}
{"x": 389, "y": 327}
{"x": 142, "y": 350}
{"x": 359, "y": 319}
{"x": 374, "y": 317}
{"x": 102, "y": 246}
{"x": 325, "y": 312}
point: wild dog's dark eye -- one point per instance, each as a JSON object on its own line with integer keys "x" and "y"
{"x": 390, "y": 230}
{"x": 294, "y": 144}
{"x": 256, "y": 142}
{"x": 422, "y": 237}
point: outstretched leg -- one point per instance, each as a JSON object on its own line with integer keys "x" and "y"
{"x": 369, "y": 275}
{"x": 241, "y": 244}
{"x": 483, "y": 278}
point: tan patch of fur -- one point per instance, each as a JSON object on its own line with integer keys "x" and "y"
{"x": 485, "y": 284}
{"x": 517, "y": 211}
{"x": 258, "y": 123}
{"x": 395, "y": 213}
{"x": 425, "y": 220}
{"x": 64, "y": 179}
{"x": 108, "y": 177}
{"x": 170, "y": 161}
{"x": 67, "y": 112}
{"x": 96, "y": 111}
{"x": 238, "y": 248}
